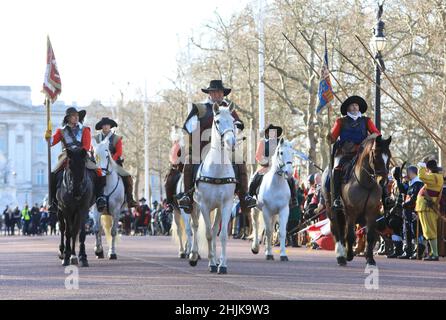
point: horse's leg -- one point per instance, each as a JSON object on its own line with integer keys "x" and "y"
{"x": 67, "y": 249}
{"x": 98, "y": 249}
{"x": 114, "y": 233}
{"x": 340, "y": 237}
{"x": 62, "y": 236}
{"x": 215, "y": 230}
{"x": 82, "y": 236}
{"x": 178, "y": 218}
{"x": 225, "y": 218}
{"x": 371, "y": 240}
{"x": 268, "y": 234}
{"x": 283, "y": 220}
{"x": 193, "y": 256}
{"x": 75, "y": 226}
{"x": 187, "y": 224}
{"x": 351, "y": 237}
{"x": 255, "y": 226}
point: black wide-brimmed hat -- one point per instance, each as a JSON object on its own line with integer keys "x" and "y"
{"x": 216, "y": 85}
{"x": 279, "y": 130}
{"x": 105, "y": 121}
{"x": 142, "y": 200}
{"x": 354, "y": 99}
{"x": 433, "y": 166}
{"x": 72, "y": 110}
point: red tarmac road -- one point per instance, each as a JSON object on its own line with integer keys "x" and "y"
{"x": 148, "y": 268}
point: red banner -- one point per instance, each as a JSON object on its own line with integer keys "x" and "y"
{"x": 52, "y": 85}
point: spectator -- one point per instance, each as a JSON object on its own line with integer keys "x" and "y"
{"x": 8, "y": 219}
{"x": 26, "y": 218}
{"x": 35, "y": 220}
{"x": 16, "y": 220}
{"x": 427, "y": 204}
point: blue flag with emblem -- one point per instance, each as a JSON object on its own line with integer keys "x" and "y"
{"x": 325, "y": 90}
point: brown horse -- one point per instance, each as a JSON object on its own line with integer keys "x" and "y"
{"x": 361, "y": 196}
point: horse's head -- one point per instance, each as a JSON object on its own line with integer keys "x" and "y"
{"x": 378, "y": 152}
{"x": 76, "y": 164}
{"x": 224, "y": 126}
{"x": 284, "y": 156}
{"x": 102, "y": 154}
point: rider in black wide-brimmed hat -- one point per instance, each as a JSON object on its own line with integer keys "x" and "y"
{"x": 348, "y": 133}
{"x": 202, "y": 114}
{"x": 116, "y": 150}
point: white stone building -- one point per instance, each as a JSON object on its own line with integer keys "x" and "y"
{"x": 23, "y": 149}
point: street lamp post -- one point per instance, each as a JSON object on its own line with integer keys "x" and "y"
{"x": 378, "y": 42}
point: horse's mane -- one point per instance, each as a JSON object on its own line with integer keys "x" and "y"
{"x": 365, "y": 149}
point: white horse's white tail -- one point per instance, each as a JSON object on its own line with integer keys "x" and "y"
{"x": 107, "y": 222}
{"x": 202, "y": 240}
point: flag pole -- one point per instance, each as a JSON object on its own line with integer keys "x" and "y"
{"x": 49, "y": 128}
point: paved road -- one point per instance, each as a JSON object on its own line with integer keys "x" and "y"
{"x": 147, "y": 268}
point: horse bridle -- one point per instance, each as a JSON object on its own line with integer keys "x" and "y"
{"x": 222, "y": 134}
{"x": 281, "y": 164}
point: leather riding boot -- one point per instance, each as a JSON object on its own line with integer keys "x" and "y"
{"x": 185, "y": 202}
{"x": 53, "y": 205}
{"x": 254, "y": 185}
{"x": 169, "y": 186}
{"x": 128, "y": 184}
{"x": 293, "y": 200}
{"x": 246, "y": 201}
{"x": 101, "y": 202}
{"x": 337, "y": 186}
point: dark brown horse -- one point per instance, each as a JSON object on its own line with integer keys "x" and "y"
{"x": 361, "y": 196}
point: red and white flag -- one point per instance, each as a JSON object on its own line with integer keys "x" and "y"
{"x": 52, "y": 85}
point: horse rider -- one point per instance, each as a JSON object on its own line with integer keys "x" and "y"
{"x": 176, "y": 166}
{"x": 74, "y": 134}
{"x": 265, "y": 149}
{"x": 348, "y": 133}
{"x": 115, "y": 148}
{"x": 202, "y": 115}
{"x": 428, "y": 204}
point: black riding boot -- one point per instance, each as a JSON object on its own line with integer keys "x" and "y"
{"x": 255, "y": 184}
{"x": 337, "y": 186}
{"x": 101, "y": 202}
{"x": 186, "y": 201}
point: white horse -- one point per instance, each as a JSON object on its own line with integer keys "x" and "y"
{"x": 114, "y": 191}
{"x": 274, "y": 198}
{"x": 216, "y": 186}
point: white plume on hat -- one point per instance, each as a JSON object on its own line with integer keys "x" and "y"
{"x": 176, "y": 134}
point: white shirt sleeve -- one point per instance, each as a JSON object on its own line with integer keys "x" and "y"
{"x": 191, "y": 124}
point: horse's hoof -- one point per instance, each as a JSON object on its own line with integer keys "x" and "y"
{"x": 74, "y": 261}
{"x": 255, "y": 251}
{"x": 284, "y": 258}
{"x": 270, "y": 257}
{"x": 193, "y": 263}
{"x": 213, "y": 269}
{"x": 342, "y": 261}
{"x": 84, "y": 263}
{"x": 199, "y": 257}
{"x": 182, "y": 256}
{"x": 99, "y": 255}
{"x": 66, "y": 262}
{"x": 350, "y": 257}
{"x": 113, "y": 256}
{"x": 222, "y": 270}
{"x": 61, "y": 256}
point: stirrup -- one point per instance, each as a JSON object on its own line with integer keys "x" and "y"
{"x": 101, "y": 203}
{"x": 250, "y": 202}
{"x": 337, "y": 204}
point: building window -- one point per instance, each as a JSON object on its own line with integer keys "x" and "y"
{"x": 40, "y": 146}
{"x": 40, "y": 177}
{"x": 3, "y": 139}
{"x": 19, "y": 139}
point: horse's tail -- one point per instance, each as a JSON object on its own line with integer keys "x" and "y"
{"x": 107, "y": 221}
{"x": 175, "y": 227}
